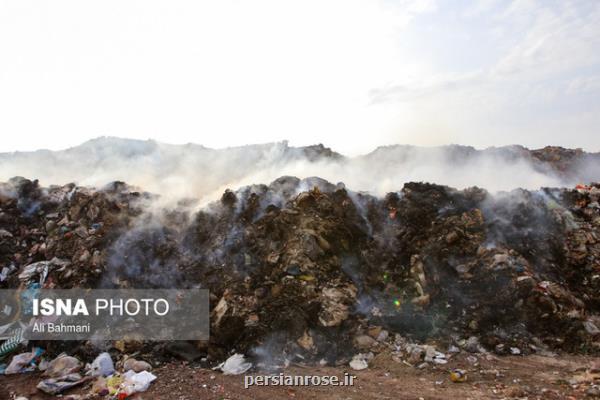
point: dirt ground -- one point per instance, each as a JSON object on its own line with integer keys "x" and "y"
{"x": 529, "y": 377}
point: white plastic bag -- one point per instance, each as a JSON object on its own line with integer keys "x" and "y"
{"x": 136, "y": 382}
{"x": 234, "y": 365}
{"x": 101, "y": 366}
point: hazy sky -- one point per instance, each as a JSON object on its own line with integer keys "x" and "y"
{"x": 352, "y": 74}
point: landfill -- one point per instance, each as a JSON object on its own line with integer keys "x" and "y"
{"x": 309, "y": 272}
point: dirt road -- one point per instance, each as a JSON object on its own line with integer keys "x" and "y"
{"x": 530, "y": 377}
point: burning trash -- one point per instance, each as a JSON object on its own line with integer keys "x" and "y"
{"x": 307, "y": 272}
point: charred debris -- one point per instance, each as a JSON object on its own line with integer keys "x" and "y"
{"x": 305, "y": 270}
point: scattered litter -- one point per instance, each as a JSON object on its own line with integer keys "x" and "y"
{"x": 62, "y": 365}
{"x": 101, "y": 366}
{"x": 100, "y": 386}
{"x": 136, "y": 365}
{"x": 14, "y": 338}
{"x": 57, "y": 385}
{"x": 24, "y": 362}
{"x": 458, "y": 375}
{"x": 6, "y": 271}
{"x": 318, "y": 263}
{"x": 234, "y": 365}
{"x": 360, "y": 361}
{"x": 136, "y": 382}
{"x": 41, "y": 268}
{"x": 113, "y": 384}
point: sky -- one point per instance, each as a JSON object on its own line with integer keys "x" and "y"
{"x": 351, "y": 74}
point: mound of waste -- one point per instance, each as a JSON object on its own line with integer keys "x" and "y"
{"x": 172, "y": 170}
{"x": 308, "y": 270}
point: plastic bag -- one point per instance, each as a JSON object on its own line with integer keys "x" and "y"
{"x": 101, "y": 366}
{"x": 24, "y": 362}
{"x": 136, "y": 382}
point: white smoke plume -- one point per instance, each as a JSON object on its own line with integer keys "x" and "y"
{"x": 194, "y": 171}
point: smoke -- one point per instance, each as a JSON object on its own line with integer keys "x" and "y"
{"x": 193, "y": 171}
{"x": 145, "y": 254}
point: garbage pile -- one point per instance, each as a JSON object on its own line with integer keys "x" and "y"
{"x": 65, "y": 372}
{"x": 308, "y": 271}
{"x": 310, "y": 266}
{"x": 58, "y": 236}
